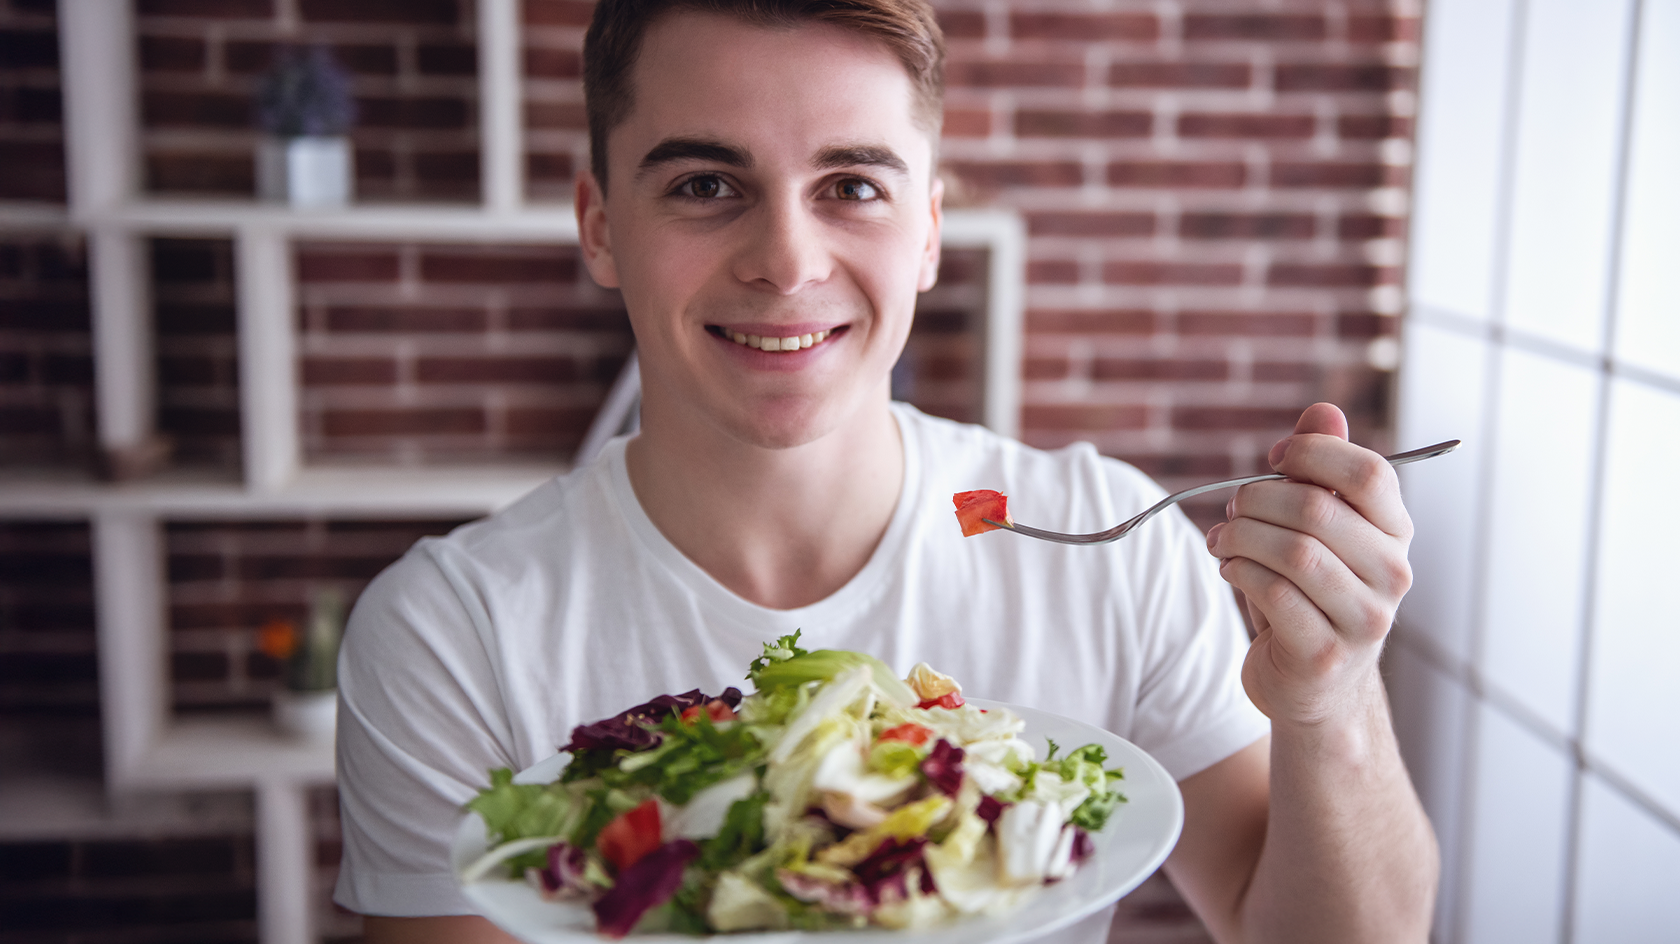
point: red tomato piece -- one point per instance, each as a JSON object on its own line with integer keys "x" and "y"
{"x": 949, "y": 700}
{"x": 974, "y": 507}
{"x": 909, "y": 733}
{"x": 717, "y": 709}
{"x": 631, "y": 835}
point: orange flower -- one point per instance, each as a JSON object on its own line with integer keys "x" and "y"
{"x": 278, "y": 639}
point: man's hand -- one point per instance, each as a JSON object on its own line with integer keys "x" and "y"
{"x": 1321, "y": 559}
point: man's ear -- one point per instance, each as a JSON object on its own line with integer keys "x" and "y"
{"x": 930, "y": 253}
{"x": 594, "y": 236}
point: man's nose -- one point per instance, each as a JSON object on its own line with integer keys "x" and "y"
{"x": 786, "y": 250}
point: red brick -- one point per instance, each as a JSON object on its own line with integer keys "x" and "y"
{"x": 432, "y": 112}
{"x": 1201, "y": 466}
{"x": 200, "y": 173}
{"x": 1247, "y": 324}
{"x": 1364, "y": 325}
{"x": 1365, "y": 226}
{"x": 1285, "y": 371}
{"x": 1019, "y": 173}
{"x": 568, "y": 319}
{"x": 32, "y": 170}
{"x": 962, "y": 24}
{"x": 30, "y": 420}
{"x": 440, "y": 265}
{"x": 567, "y": 115}
{"x": 171, "y": 54}
{"x": 352, "y": 320}
{"x": 565, "y": 424}
{"x": 198, "y": 421}
{"x": 1052, "y": 272}
{"x": 557, "y": 369}
{"x": 31, "y": 106}
{"x": 1335, "y": 175}
{"x": 195, "y": 110}
{"x": 440, "y": 421}
{"x": 1186, "y": 174}
{"x": 344, "y": 371}
{"x": 967, "y": 122}
{"x": 558, "y": 12}
{"x": 208, "y": 9}
{"x": 1084, "y": 416}
{"x": 1234, "y": 418}
{"x": 250, "y": 57}
{"x": 1171, "y": 273}
{"x": 1383, "y": 28}
{"x": 540, "y": 166}
{"x": 418, "y": 12}
{"x": 547, "y": 62}
{"x": 1254, "y": 26}
{"x": 447, "y": 59}
{"x": 453, "y": 166}
{"x": 1150, "y": 368}
{"x": 1088, "y": 321}
{"x": 1084, "y": 27}
{"x": 1073, "y": 223}
{"x": 992, "y": 74}
{"x": 1176, "y": 75}
{"x": 1045, "y": 368}
{"x": 1240, "y": 125}
{"x": 1326, "y": 275}
{"x": 1246, "y": 226}
{"x": 346, "y": 264}
{"x": 28, "y": 49}
{"x": 1374, "y": 127}
{"x": 1084, "y": 124}
{"x": 1321, "y": 77}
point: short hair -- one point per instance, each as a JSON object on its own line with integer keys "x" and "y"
{"x": 907, "y": 28}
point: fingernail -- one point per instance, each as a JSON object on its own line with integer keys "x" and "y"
{"x": 1231, "y": 508}
{"x": 1213, "y": 536}
{"x": 1275, "y": 457}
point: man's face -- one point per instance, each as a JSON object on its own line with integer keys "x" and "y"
{"x": 767, "y": 185}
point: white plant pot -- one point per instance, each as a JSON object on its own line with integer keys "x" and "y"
{"x": 305, "y": 172}
{"x": 309, "y": 715}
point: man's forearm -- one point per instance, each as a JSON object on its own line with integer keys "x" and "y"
{"x": 1349, "y": 855}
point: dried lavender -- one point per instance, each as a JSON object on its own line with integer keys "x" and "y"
{"x": 306, "y": 94}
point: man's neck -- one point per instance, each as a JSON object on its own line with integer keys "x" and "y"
{"x": 781, "y": 527}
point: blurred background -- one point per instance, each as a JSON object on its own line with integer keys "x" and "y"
{"x": 286, "y": 284}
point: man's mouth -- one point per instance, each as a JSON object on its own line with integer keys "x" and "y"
{"x": 794, "y": 342}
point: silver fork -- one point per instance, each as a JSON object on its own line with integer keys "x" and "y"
{"x": 1125, "y": 527}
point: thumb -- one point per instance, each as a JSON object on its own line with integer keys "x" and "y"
{"x": 1322, "y": 418}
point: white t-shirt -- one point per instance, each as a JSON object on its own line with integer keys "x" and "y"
{"x": 485, "y": 648}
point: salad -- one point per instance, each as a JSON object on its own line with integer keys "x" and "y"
{"x": 836, "y": 796}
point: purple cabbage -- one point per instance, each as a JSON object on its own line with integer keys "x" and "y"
{"x": 1083, "y": 847}
{"x": 841, "y": 898}
{"x": 633, "y": 730}
{"x": 990, "y": 809}
{"x": 886, "y": 869}
{"x": 645, "y": 885}
{"x": 564, "y": 875}
{"x": 943, "y": 767}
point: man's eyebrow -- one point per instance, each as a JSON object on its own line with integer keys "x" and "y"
{"x": 671, "y": 150}
{"x": 867, "y": 155}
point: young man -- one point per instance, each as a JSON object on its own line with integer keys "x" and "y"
{"x": 763, "y": 194}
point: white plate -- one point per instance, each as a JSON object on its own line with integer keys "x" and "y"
{"x": 1132, "y": 846}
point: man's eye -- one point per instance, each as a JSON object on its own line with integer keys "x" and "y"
{"x": 705, "y": 187}
{"x": 854, "y": 189}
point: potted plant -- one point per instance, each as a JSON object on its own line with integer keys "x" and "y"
{"x": 306, "y": 705}
{"x": 305, "y": 109}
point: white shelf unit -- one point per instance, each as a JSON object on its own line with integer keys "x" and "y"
{"x": 146, "y": 748}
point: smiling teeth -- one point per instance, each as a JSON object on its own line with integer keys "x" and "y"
{"x": 778, "y": 344}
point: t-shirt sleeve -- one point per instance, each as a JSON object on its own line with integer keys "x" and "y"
{"x": 1191, "y": 710}
{"x": 420, "y": 724}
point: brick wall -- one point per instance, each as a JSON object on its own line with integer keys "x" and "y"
{"x": 31, "y": 133}
{"x": 46, "y": 345}
{"x": 413, "y": 64}
{"x": 48, "y": 652}
{"x": 197, "y": 350}
{"x": 228, "y": 578}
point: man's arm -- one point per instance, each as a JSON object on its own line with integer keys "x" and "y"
{"x": 449, "y": 929}
{"x": 1318, "y": 834}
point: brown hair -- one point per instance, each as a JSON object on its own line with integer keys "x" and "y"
{"x": 906, "y": 27}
